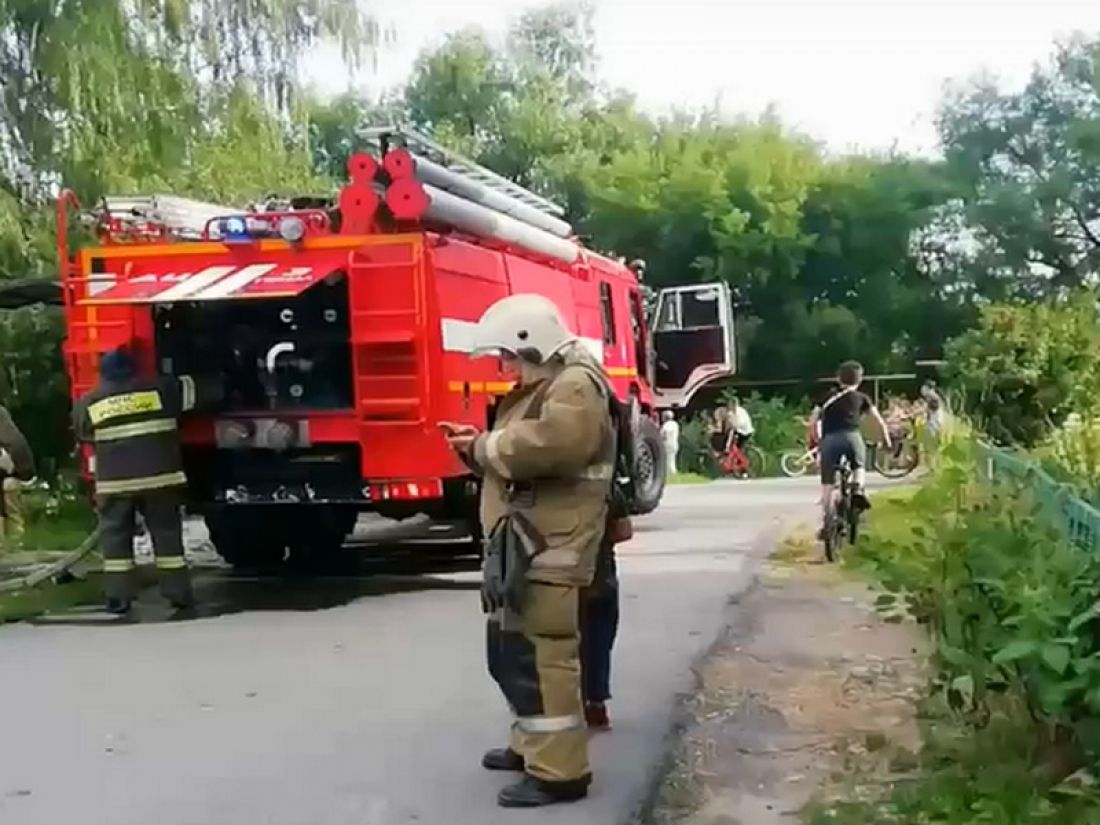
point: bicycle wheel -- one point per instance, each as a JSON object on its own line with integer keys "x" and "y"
{"x": 899, "y": 462}
{"x": 833, "y": 536}
{"x": 794, "y": 463}
{"x": 758, "y": 462}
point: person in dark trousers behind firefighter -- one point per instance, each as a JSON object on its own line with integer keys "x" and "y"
{"x": 547, "y": 467}
{"x": 599, "y": 626}
{"x": 132, "y": 423}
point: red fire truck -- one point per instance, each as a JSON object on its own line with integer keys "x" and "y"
{"x": 339, "y": 332}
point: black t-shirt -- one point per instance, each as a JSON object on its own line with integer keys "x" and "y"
{"x": 844, "y": 413}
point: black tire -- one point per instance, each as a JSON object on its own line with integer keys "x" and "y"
{"x": 758, "y": 462}
{"x": 245, "y": 537}
{"x": 832, "y": 537}
{"x": 276, "y": 537}
{"x": 894, "y": 464}
{"x": 792, "y": 465}
{"x": 650, "y": 467}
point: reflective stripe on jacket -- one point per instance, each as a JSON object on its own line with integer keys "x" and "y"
{"x": 133, "y": 426}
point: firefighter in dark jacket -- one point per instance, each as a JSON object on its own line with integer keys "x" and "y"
{"x": 132, "y": 421}
{"x": 546, "y": 467}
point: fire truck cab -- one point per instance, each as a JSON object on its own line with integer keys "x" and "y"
{"x": 333, "y": 336}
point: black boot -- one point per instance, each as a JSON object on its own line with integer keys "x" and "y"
{"x": 530, "y": 792}
{"x": 859, "y": 498}
{"x": 182, "y": 611}
{"x": 502, "y": 759}
{"x": 118, "y": 607}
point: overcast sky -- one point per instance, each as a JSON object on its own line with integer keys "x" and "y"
{"x": 854, "y": 73}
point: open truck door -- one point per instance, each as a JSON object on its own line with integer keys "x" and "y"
{"x": 693, "y": 341}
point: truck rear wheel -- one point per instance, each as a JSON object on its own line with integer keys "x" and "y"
{"x": 651, "y": 467}
{"x": 275, "y": 537}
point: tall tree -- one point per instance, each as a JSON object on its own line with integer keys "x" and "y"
{"x": 1029, "y": 163}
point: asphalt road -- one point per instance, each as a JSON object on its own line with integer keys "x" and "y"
{"x": 359, "y": 700}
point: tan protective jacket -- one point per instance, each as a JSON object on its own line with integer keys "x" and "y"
{"x": 12, "y": 440}
{"x": 560, "y": 460}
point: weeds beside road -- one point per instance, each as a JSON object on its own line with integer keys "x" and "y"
{"x": 998, "y": 722}
{"x": 1009, "y": 718}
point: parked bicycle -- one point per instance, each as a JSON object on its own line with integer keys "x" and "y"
{"x": 897, "y": 461}
{"x": 842, "y": 521}
{"x": 796, "y": 463}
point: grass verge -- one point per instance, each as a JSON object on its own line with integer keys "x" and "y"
{"x": 47, "y": 537}
{"x": 50, "y": 598}
{"x": 997, "y": 767}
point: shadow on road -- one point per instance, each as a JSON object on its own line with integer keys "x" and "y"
{"x": 364, "y": 571}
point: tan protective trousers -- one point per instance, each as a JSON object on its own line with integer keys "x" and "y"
{"x": 535, "y": 659}
{"x": 13, "y": 523}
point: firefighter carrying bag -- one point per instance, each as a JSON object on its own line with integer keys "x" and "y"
{"x": 509, "y": 550}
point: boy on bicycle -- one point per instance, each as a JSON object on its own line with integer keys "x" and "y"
{"x": 837, "y": 422}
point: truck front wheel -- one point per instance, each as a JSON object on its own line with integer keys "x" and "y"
{"x": 650, "y": 467}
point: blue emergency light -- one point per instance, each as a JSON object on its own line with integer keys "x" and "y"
{"x": 234, "y": 230}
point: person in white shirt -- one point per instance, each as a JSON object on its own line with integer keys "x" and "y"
{"x": 670, "y": 432}
{"x": 741, "y": 422}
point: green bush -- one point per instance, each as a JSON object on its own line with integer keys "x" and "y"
{"x": 694, "y": 455}
{"x": 1027, "y": 367}
{"x": 1010, "y": 604}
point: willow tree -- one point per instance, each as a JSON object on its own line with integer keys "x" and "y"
{"x": 94, "y": 90}
{"x": 195, "y": 97}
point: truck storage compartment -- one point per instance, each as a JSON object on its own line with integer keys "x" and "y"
{"x": 271, "y": 354}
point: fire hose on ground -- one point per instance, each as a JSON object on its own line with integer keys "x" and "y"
{"x": 46, "y": 572}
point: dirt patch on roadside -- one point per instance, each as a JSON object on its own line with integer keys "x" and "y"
{"x": 807, "y": 684}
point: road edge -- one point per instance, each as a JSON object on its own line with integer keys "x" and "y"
{"x": 680, "y": 718}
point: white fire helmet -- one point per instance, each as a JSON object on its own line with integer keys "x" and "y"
{"x": 527, "y": 326}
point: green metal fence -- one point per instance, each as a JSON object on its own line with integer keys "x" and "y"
{"x": 1079, "y": 519}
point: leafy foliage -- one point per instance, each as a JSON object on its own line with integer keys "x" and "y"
{"x": 1026, "y": 367}
{"x": 1072, "y": 456}
{"x": 821, "y": 248}
{"x": 1028, "y": 168}
{"x": 1010, "y": 605}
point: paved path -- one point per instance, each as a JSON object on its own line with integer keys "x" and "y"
{"x": 362, "y": 701}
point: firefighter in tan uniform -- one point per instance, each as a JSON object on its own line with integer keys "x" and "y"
{"x": 132, "y": 423}
{"x": 547, "y": 467}
{"x": 16, "y": 467}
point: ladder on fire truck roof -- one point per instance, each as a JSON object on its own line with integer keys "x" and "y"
{"x": 383, "y": 138}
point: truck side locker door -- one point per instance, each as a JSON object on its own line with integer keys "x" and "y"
{"x": 693, "y": 338}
